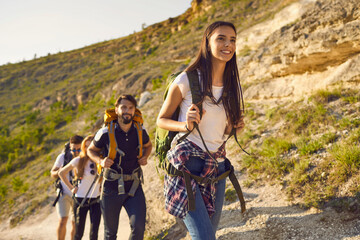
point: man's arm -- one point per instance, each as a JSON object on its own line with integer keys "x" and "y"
{"x": 54, "y": 172}
{"x": 94, "y": 154}
{"x": 147, "y": 151}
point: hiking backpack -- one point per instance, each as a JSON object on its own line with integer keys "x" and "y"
{"x": 67, "y": 158}
{"x": 163, "y": 139}
{"x": 109, "y": 117}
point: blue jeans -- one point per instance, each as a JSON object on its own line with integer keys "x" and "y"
{"x": 135, "y": 207}
{"x": 198, "y": 222}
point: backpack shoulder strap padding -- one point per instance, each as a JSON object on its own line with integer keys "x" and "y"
{"x": 196, "y": 93}
{"x": 109, "y": 117}
{"x": 112, "y": 141}
{"x": 138, "y": 127}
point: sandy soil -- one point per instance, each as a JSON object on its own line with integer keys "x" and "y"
{"x": 43, "y": 226}
{"x": 269, "y": 216}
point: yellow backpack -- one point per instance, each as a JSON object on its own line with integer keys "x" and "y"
{"x": 109, "y": 117}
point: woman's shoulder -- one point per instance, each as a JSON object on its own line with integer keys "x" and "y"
{"x": 75, "y": 161}
{"x": 183, "y": 83}
{"x": 182, "y": 78}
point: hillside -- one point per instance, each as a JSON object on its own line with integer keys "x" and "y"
{"x": 299, "y": 65}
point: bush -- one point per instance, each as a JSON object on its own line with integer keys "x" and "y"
{"x": 347, "y": 156}
{"x": 230, "y": 195}
{"x": 273, "y": 147}
{"x": 325, "y": 96}
{"x": 306, "y": 147}
{"x": 3, "y": 191}
{"x": 17, "y": 183}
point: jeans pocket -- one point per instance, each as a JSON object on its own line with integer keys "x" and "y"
{"x": 195, "y": 165}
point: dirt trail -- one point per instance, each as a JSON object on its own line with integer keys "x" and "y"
{"x": 270, "y": 216}
{"x": 43, "y": 227}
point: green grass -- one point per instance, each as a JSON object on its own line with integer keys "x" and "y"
{"x": 326, "y": 96}
{"x": 269, "y": 159}
{"x": 307, "y": 147}
{"x": 230, "y": 195}
{"x": 347, "y": 156}
{"x": 306, "y": 175}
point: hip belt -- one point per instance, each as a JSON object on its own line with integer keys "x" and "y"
{"x": 136, "y": 176}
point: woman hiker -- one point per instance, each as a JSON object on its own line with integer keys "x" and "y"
{"x": 222, "y": 110}
{"x": 87, "y": 187}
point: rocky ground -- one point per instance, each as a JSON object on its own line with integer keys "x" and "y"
{"x": 269, "y": 216}
{"x": 300, "y": 42}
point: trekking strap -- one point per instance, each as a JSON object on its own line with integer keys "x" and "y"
{"x": 112, "y": 141}
{"x": 87, "y": 193}
{"x": 136, "y": 176}
{"x": 233, "y": 133}
{"x": 57, "y": 198}
{"x": 196, "y": 94}
{"x": 140, "y": 138}
{"x": 204, "y": 181}
{"x": 90, "y": 202}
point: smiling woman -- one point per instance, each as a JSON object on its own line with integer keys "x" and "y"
{"x": 36, "y": 28}
{"x": 217, "y": 113}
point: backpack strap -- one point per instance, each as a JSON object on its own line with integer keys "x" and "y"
{"x": 233, "y": 133}
{"x": 139, "y": 130}
{"x": 229, "y": 172}
{"x": 112, "y": 141}
{"x": 194, "y": 83}
{"x": 87, "y": 193}
{"x": 196, "y": 93}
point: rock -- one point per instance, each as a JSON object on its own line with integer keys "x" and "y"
{"x": 290, "y": 55}
{"x": 144, "y": 97}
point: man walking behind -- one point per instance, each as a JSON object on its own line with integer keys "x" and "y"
{"x": 65, "y": 202}
{"x": 122, "y": 185}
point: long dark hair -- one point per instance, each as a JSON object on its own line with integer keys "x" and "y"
{"x": 232, "y": 97}
{"x": 84, "y": 158}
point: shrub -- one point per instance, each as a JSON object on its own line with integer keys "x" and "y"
{"x": 156, "y": 83}
{"x": 17, "y": 183}
{"x": 325, "y": 96}
{"x": 273, "y": 147}
{"x": 329, "y": 137}
{"x": 347, "y": 156}
{"x": 230, "y": 195}
{"x": 3, "y": 191}
{"x": 306, "y": 147}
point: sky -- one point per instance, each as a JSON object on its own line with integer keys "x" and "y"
{"x": 29, "y": 27}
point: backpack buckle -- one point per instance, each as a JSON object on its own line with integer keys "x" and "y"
{"x": 206, "y": 181}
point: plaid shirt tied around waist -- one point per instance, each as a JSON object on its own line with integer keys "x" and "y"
{"x": 176, "y": 199}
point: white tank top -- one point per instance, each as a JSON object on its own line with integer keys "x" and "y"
{"x": 87, "y": 180}
{"x": 213, "y": 123}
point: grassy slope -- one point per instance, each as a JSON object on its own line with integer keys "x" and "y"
{"x": 141, "y": 62}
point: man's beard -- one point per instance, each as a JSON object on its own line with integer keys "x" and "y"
{"x": 126, "y": 120}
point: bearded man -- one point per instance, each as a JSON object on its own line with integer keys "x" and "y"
{"x": 122, "y": 174}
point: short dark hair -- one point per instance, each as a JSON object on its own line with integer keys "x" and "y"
{"x": 76, "y": 139}
{"x": 126, "y": 97}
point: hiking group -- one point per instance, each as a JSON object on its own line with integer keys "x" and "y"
{"x": 203, "y": 107}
